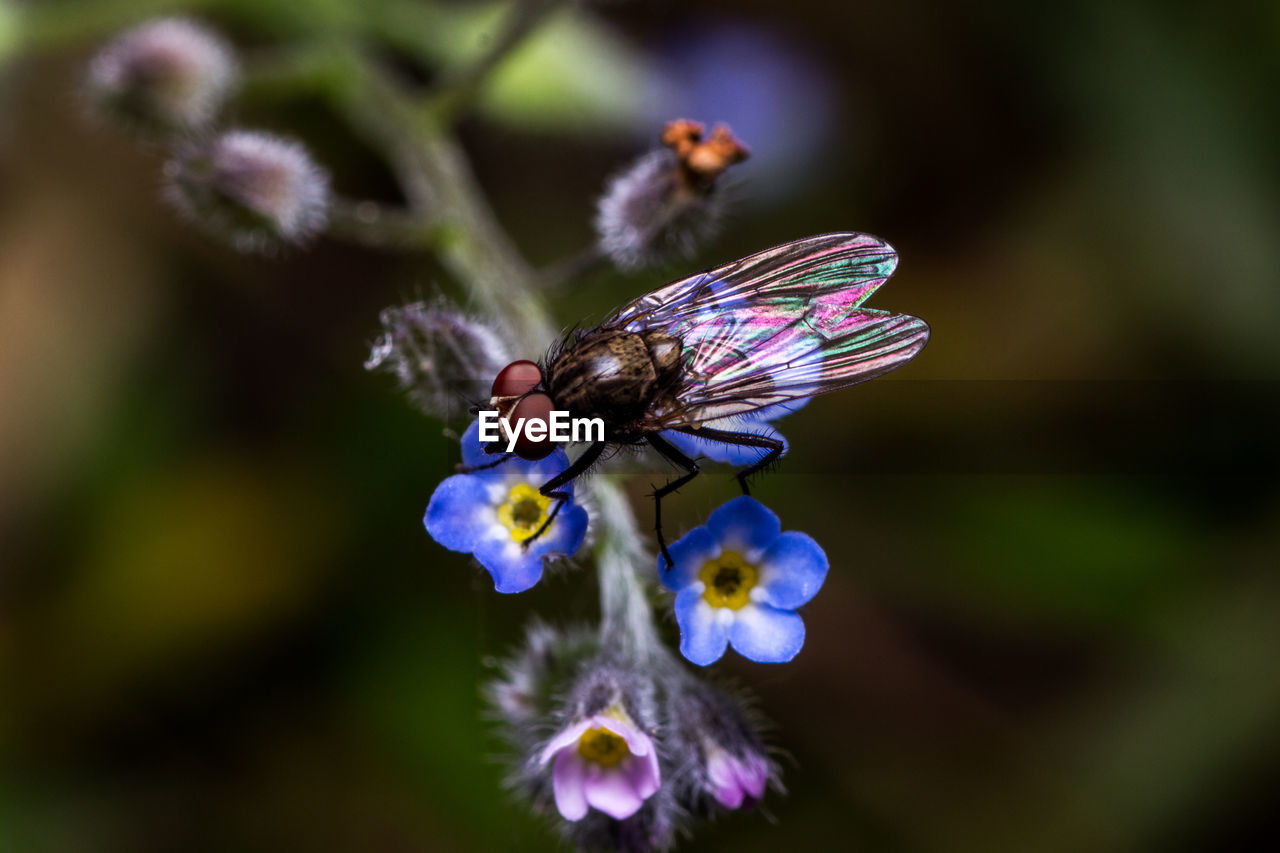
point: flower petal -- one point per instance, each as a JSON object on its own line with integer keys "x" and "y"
{"x": 565, "y": 534}
{"x": 689, "y": 552}
{"x": 473, "y": 454}
{"x": 568, "y": 781}
{"x": 767, "y": 635}
{"x": 703, "y": 636}
{"x": 542, "y": 470}
{"x": 791, "y": 571}
{"x": 566, "y": 738}
{"x": 638, "y": 743}
{"x": 609, "y": 790}
{"x": 512, "y": 567}
{"x": 778, "y": 410}
{"x": 536, "y": 472}
{"x": 723, "y": 778}
{"x": 753, "y": 775}
{"x": 642, "y": 772}
{"x": 457, "y": 513}
{"x": 737, "y": 455}
{"x": 744, "y": 524}
{"x": 515, "y": 568}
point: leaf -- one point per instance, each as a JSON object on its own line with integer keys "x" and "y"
{"x": 570, "y": 74}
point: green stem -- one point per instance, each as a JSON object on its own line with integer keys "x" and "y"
{"x": 626, "y": 619}
{"x": 460, "y": 89}
{"x": 474, "y": 247}
{"x": 368, "y": 223}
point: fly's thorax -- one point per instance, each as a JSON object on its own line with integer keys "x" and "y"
{"x": 664, "y": 351}
{"x": 611, "y": 374}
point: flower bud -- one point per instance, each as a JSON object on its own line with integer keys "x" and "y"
{"x": 714, "y": 736}
{"x": 252, "y": 188}
{"x": 667, "y": 202}
{"x": 443, "y": 359}
{"x": 162, "y": 77}
{"x": 531, "y": 681}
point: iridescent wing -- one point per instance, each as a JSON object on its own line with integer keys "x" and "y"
{"x": 778, "y": 326}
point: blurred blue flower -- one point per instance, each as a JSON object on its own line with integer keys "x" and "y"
{"x": 738, "y": 581}
{"x": 739, "y": 456}
{"x": 491, "y": 514}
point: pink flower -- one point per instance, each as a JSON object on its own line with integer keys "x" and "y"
{"x": 736, "y": 781}
{"x": 603, "y": 762}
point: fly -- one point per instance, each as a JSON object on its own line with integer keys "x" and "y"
{"x": 773, "y": 328}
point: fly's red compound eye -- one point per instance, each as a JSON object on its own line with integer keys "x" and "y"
{"x": 536, "y": 411}
{"x": 518, "y": 377}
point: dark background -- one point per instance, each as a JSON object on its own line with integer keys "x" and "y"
{"x": 1051, "y": 618}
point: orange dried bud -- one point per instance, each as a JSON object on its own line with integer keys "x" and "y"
{"x": 682, "y": 135}
{"x": 702, "y": 160}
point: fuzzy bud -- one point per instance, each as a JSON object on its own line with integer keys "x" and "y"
{"x": 162, "y": 77}
{"x": 531, "y": 681}
{"x": 443, "y": 359}
{"x": 254, "y": 189}
{"x": 716, "y": 742}
{"x": 667, "y": 202}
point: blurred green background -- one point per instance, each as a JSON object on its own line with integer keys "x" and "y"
{"x": 1053, "y": 613}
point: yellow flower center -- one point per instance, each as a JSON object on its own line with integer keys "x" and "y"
{"x": 524, "y": 511}
{"x": 728, "y": 580}
{"x": 603, "y": 747}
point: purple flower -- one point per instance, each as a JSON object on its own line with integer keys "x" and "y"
{"x": 493, "y": 514}
{"x": 603, "y": 762}
{"x": 738, "y": 581}
{"x": 736, "y": 781}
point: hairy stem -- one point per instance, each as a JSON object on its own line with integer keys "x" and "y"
{"x": 475, "y": 248}
{"x": 626, "y": 618}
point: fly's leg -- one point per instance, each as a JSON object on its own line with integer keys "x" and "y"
{"x": 743, "y": 439}
{"x": 675, "y": 455}
{"x": 551, "y": 488}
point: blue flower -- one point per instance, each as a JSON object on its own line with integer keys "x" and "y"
{"x": 492, "y": 513}
{"x": 738, "y": 581}
{"x": 739, "y": 456}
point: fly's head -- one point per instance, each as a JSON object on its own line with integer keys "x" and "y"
{"x": 517, "y": 396}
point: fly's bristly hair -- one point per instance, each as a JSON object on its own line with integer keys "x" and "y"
{"x": 560, "y": 346}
